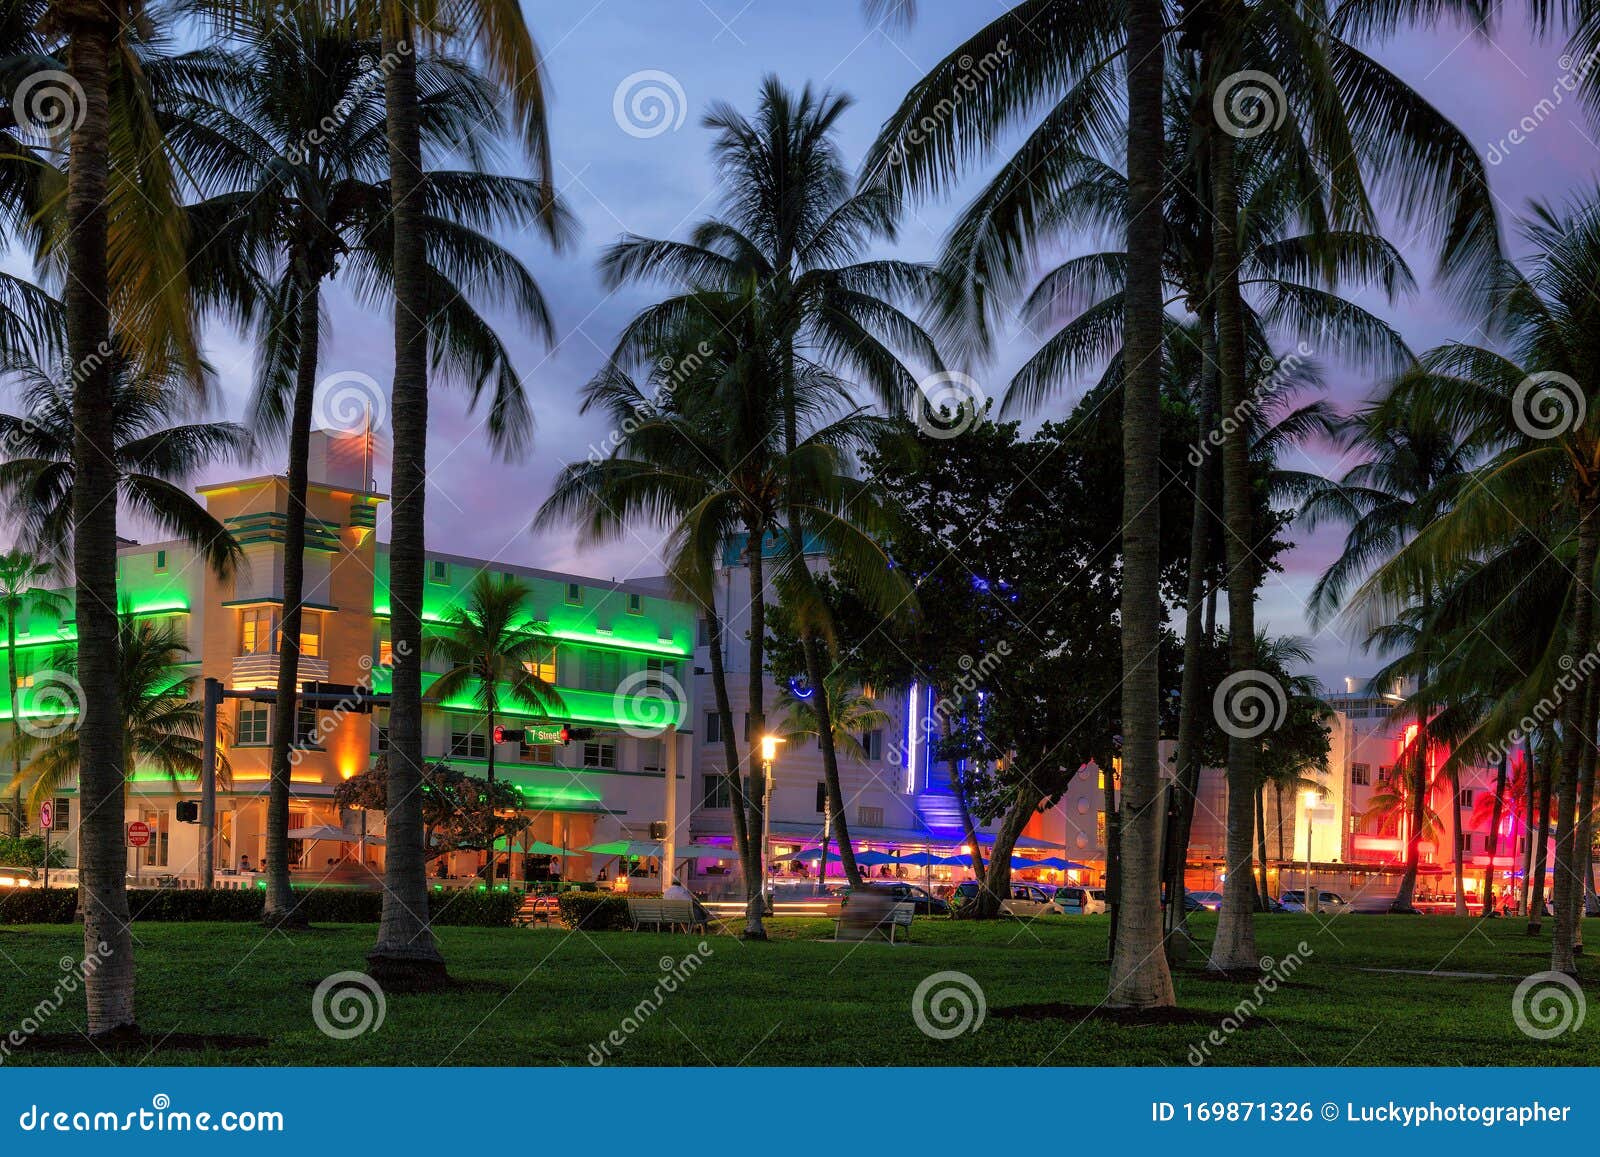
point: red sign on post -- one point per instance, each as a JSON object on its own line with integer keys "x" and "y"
{"x": 47, "y": 816}
{"x": 138, "y": 834}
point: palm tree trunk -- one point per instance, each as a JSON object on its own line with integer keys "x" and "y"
{"x": 1403, "y": 901}
{"x": 809, "y": 645}
{"x": 1261, "y": 843}
{"x": 488, "y": 842}
{"x": 730, "y": 746}
{"x": 1529, "y": 823}
{"x": 1455, "y": 835}
{"x": 1113, "y": 857}
{"x": 755, "y": 870}
{"x": 405, "y": 951}
{"x": 1575, "y": 733}
{"x": 1494, "y": 832}
{"x": 1235, "y": 945}
{"x": 1278, "y": 794}
{"x": 17, "y": 824}
{"x": 1186, "y": 782}
{"x": 1541, "y": 851}
{"x": 996, "y": 882}
{"x": 103, "y": 856}
{"x": 1139, "y": 974}
{"x": 280, "y": 906}
{"x": 1583, "y": 886}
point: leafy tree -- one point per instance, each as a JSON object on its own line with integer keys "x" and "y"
{"x": 460, "y": 812}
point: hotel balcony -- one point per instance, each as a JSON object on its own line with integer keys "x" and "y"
{"x": 261, "y": 670}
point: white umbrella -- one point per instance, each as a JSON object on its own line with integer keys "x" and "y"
{"x": 329, "y": 832}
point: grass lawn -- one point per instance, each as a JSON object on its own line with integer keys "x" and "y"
{"x": 545, "y": 997}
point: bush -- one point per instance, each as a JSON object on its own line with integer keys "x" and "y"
{"x": 597, "y": 911}
{"x": 38, "y": 905}
{"x": 320, "y": 905}
{"x": 28, "y": 852}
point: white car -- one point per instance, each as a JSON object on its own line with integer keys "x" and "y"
{"x": 1295, "y": 901}
{"x": 1075, "y": 901}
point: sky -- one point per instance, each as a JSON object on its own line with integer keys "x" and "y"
{"x": 623, "y": 172}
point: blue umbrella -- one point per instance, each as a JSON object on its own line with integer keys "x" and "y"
{"x": 921, "y": 859}
{"x": 810, "y": 856}
{"x": 873, "y": 859}
{"x": 1061, "y": 865}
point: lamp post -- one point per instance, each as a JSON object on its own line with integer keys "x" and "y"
{"x": 1311, "y": 798}
{"x": 769, "y": 752}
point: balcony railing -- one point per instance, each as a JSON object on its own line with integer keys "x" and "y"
{"x": 261, "y": 669}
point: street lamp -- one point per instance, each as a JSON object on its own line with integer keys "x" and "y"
{"x": 769, "y": 752}
{"x": 1311, "y": 797}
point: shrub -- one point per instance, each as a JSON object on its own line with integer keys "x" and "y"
{"x": 474, "y": 909}
{"x": 38, "y": 905}
{"x": 597, "y": 911}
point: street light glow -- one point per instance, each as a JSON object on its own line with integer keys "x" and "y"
{"x": 769, "y": 747}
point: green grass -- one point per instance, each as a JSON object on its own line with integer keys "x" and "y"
{"x": 544, "y": 997}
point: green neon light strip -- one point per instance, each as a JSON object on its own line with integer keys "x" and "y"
{"x": 588, "y": 638}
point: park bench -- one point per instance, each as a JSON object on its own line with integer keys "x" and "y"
{"x": 664, "y": 915}
{"x": 865, "y": 922}
{"x": 535, "y": 909}
{"x": 644, "y": 913}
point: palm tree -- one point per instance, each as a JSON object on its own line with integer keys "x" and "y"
{"x": 1532, "y": 412}
{"x": 22, "y": 592}
{"x": 707, "y": 457}
{"x": 850, "y": 712}
{"x": 118, "y": 236}
{"x": 496, "y": 33}
{"x": 491, "y": 651}
{"x": 162, "y": 716}
{"x": 287, "y": 118}
{"x": 150, "y": 461}
{"x": 1415, "y": 465}
{"x": 791, "y": 224}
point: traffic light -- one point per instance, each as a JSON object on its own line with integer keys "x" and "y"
{"x": 568, "y": 733}
{"x": 509, "y": 735}
{"x": 188, "y": 811}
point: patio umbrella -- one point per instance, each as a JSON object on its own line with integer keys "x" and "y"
{"x": 959, "y": 861}
{"x": 874, "y": 859}
{"x": 625, "y": 848}
{"x": 329, "y": 832}
{"x": 920, "y": 859}
{"x": 534, "y": 848}
{"x": 1061, "y": 865}
{"x": 810, "y": 856}
{"x": 700, "y": 851}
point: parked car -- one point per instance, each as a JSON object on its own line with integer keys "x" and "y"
{"x": 925, "y": 902}
{"x": 1072, "y": 900}
{"x": 1202, "y": 901}
{"x": 1295, "y": 901}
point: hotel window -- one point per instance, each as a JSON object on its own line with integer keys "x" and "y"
{"x": 1100, "y": 828}
{"x": 1384, "y": 773}
{"x": 544, "y": 753}
{"x": 161, "y": 560}
{"x": 385, "y": 653}
{"x": 652, "y": 755}
{"x": 600, "y": 670}
{"x": 574, "y": 595}
{"x": 661, "y": 672}
{"x": 600, "y": 753}
{"x": 160, "y": 845}
{"x": 63, "y": 817}
{"x": 713, "y": 729}
{"x": 1361, "y": 774}
{"x": 380, "y": 741}
{"x": 871, "y": 817}
{"x": 1466, "y": 842}
{"x": 307, "y": 731}
{"x": 468, "y": 745}
{"x": 702, "y": 633}
{"x": 255, "y": 631}
{"x": 438, "y": 571}
{"x": 543, "y": 665}
{"x": 636, "y": 604}
{"x": 24, "y": 681}
{"x": 718, "y": 791}
{"x": 251, "y": 727}
{"x": 822, "y": 796}
{"x": 1466, "y": 797}
{"x": 872, "y": 743}
{"x": 311, "y": 635}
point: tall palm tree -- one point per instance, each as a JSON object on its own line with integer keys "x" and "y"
{"x": 23, "y": 592}
{"x": 1534, "y": 411}
{"x": 117, "y": 237}
{"x": 707, "y": 457}
{"x": 285, "y": 123}
{"x": 493, "y": 656}
{"x": 496, "y": 33}
{"x": 162, "y": 716}
{"x": 791, "y": 224}
{"x": 150, "y": 462}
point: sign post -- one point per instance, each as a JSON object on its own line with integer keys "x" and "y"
{"x": 47, "y": 820}
{"x": 208, "y": 783}
{"x": 138, "y": 837}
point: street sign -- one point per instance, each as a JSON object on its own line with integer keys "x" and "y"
{"x": 138, "y": 834}
{"x": 47, "y": 815}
